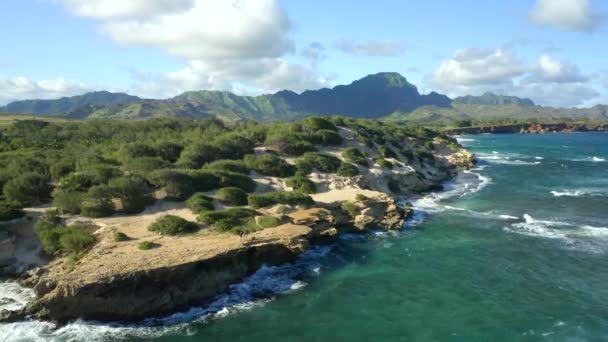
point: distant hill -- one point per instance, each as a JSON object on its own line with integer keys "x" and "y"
{"x": 373, "y": 96}
{"x": 386, "y": 95}
{"x": 64, "y": 105}
{"x": 491, "y": 99}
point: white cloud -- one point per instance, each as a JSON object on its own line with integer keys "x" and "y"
{"x": 550, "y": 70}
{"x": 382, "y": 48}
{"x": 474, "y": 71}
{"x": 474, "y": 66}
{"x": 22, "y": 88}
{"x": 567, "y": 15}
{"x": 226, "y": 45}
{"x": 107, "y": 9}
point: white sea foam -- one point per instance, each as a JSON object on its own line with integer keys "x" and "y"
{"x": 598, "y": 159}
{"x": 254, "y": 291}
{"x": 577, "y": 193}
{"x": 508, "y": 158}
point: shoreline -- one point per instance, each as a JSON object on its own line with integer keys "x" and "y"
{"x": 528, "y": 128}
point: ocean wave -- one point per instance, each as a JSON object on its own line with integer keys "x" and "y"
{"x": 508, "y": 158}
{"x": 577, "y": 193}
{"x": 598, "y": 159}
{"x": 575, "y": 235}
{"x": 259, "y": 288}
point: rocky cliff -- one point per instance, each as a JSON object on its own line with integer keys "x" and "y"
{"x": 566, "y": 127}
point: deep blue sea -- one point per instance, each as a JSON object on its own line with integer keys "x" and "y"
{"x": 515, "y": 250}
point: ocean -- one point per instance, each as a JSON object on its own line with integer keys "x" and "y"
{"x": 515, "y": 250}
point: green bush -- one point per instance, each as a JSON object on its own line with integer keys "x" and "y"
{"x": 199, "y": 202}
{"x": 384, "y": 163}
{"x": 27, "y": 189}
{"x": 302, "y": 184}
{"x": 133, "y": 192}
{"x": 212, "y": 216}
{"x": 271, "y": 198}
{"x": 237, "y": 166}
{"x": 49, "y": 230}
{"x": 172, "y": 225}
{"x": 144, "y": 165}
{"x": 203, "y": 180}
{"x": 429, "y": 145}
{"x": 227, "y": 178}
{"x": 355, "y": 156}
{"x": 387, "y": 152}
{"x": 9, "y": 212}
{"x": 120, "y": 236}
{"x": 78, "y": 181}
{"x": 196, "y": 155}
{"x": 232, "y": 196}
{"x": 169, "y": 151}
{"x": 76, "y": 240}
{"x": 361, "y": 197}
{"x": 423, "y": 155}
{"x": 68, "y": 201}
{"x": 288, "y": 142}
{"x": 269, "y": 164}
{"x": 303, "y": 167}
{"x": 317, "y": 123}
{"x": 135, "y": 150}
{"x": 101, "y": 173}
{"x": 349, "y": 208}
{"x": 176, "y": 184}
{"x": 322, "y": 162}
{"x": 97, "y": 202}
{"x": 327, "y": 137}
{"x": 146, "y": 245}
{"x": 347, "y": 170}
{"x": 267, "y": 221}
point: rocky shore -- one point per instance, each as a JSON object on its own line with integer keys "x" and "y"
{"x": 567, "y": 127}
{"x": 115, "y": 281}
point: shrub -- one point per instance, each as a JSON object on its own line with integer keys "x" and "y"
{"x": 199, "y": 202}
{"x": 232, "y": 196}
{"x": 384, "y": 163}
{"x": 303, "y": 167}
{"x": 76, "y": 240}
{"x": 26, "y": 189}
{"x": 387, "y": 152}
{"x": 176, "y": 184}
{"x": 429, "y": 145}
{"x": 169, "y": 151}
{"x": 267, "y": 221}
{"x": 78, "y": 181}
{"x": 327, "y": 137}
{"x": 349, "y": 208}
{"x": 196, "y": 155}
{"x": 97, "y": 202}
{"x": 9, "y": 212}
{"x": 68, "y": 201}
{"x": 144, "y": 165}
{"x": 239, "y": 180}
{"x": 49, "y": 229}
{"x": 288, "y": 142}
{"x": 133, "y": 192}
{"x": 272, "y": 198}
{"x": 423, "y": 155}
{"x": 354, "y": 155}
{"x": 146, "y": 245}
{"x": 361, "y": 197}
{"x": 120, "y": 236}
{"x": 347, "y": 170}
{"x": 228, "y": 165}
{"x": 269, "y": 164}
{"x": 302, "y": 184}
{"x": 211, "y": 217}
{"x": 317, "y": 123}
{"x": 136, "y": 150}
{"x": 203, "y": 180}
{"x": 172, "y": 225}
{"x": 322, "y": 162}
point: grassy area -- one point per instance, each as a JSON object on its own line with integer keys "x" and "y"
{"x": 8, "y": 119}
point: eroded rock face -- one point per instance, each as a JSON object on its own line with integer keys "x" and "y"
{"x": 463, "y": 160}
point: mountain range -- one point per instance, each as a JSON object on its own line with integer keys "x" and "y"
{"x": 383, "y": 95}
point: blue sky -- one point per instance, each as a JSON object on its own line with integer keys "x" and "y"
{"x": 553, "y": 51}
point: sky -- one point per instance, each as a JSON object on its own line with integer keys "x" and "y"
{"x": 552, "y": 51}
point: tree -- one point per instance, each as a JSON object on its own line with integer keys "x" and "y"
{"x": 176, "y": 184}
{"x": 133, "y": 192}
{"x": 97, "y": 202}
{"x": 27, "y": 189}
{"x": 68, "y": 201}
{"x": 232, "y": 196}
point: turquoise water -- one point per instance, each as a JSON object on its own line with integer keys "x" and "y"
{"x": 513, "y": 251}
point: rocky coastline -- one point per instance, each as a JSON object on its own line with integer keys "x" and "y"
{"x": 115, "y": 282}
{"x": 538, "y": 128}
